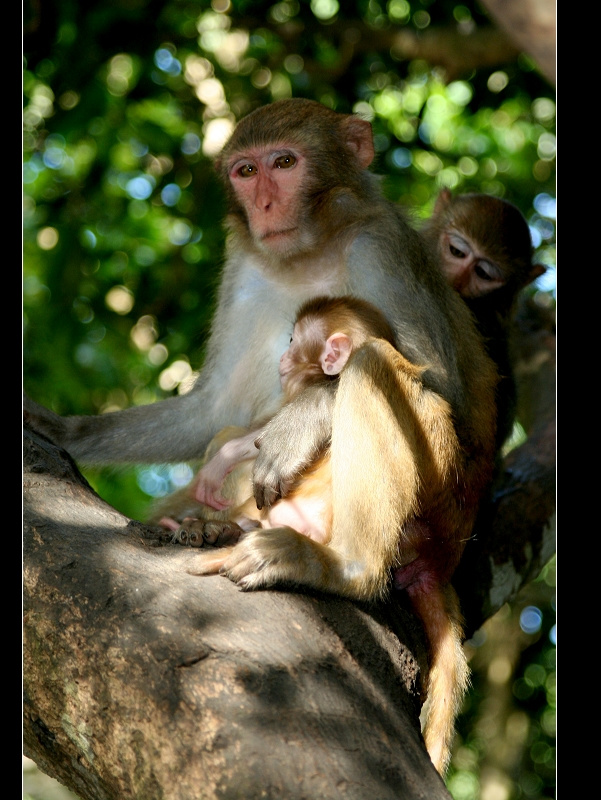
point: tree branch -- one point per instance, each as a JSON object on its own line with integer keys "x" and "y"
{"x": 532, "y": 26}
{"x": 143, "y": 681}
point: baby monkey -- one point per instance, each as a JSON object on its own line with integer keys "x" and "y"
{"x": 485, "y": 251}
{"x": 332, "y": 530}
{"x": 326, "y": 332}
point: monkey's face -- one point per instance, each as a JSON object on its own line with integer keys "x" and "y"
{"x": 300, "y": 364}
{"x": 269, "y": 183}
{"x": 468, "y": 270}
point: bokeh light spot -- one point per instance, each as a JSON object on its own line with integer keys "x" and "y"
{"x": 217, "y": 132}
{"x": 545, "y": 205}
{"x": 170, "y": 194}
{"x": 531, "y": 619}
{"x": 190, "y": 144}
{"x": 325, "y": 9}
{"x": 119, "y": 299}
{"x": 401, "y": 157}
{"x": 140, "y": 188}
{"x": 47, "y": 238}
{"x": 158, "y": 354}
{"x": 144, "y": 333}
{"x": 166, "y": 61}
{"x": 175, "y": 373}
{"x": 497, "y": 81}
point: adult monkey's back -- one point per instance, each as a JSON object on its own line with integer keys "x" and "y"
{"x": 306, "y": 217}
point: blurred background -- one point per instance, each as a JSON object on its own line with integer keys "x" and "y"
{"x": 126, "y": 103}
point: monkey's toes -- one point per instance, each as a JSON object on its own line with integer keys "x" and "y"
{"x": 219, "y": 533}
{"x": 189, "y": 534}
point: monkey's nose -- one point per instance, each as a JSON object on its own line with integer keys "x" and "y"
{"x": 461, "y": 280}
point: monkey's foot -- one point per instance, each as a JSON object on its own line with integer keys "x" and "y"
{"x": 275, "y": 556}
{"x": 200, "y": 533}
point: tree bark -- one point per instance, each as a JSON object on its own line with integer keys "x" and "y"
{"x": 143, "y": 681}
{"x": 518, "y": 26}
{"x": 532, "y": 26}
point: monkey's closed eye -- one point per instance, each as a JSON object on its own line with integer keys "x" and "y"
{"x": 455, "y": 251}
{"x": 487, "y": 272}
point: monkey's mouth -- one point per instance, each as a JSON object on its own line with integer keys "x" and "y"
{"x": 273, "y": 235}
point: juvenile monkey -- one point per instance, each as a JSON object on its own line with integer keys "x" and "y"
{"x": 485, "y": 252}
{"x": 485, "y": 247}
{"x": 310, "y": 539}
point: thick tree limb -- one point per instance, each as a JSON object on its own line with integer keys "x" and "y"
{"x": 532, "y": 26}
{"x": 457, "y": 52}
{"x": 527, "y": 26}
{"x": 142, "y": 681}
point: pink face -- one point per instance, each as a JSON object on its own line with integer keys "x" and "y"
{"x": 468, "y": 271}
{"x": 293, "y": 355}
{"x": 269, "y": 184}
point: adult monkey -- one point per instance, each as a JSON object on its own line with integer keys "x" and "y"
{"x": 306, "y": 217}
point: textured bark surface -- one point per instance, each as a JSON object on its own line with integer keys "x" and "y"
{"x": 142, "y": 681}
{"x": 532, "y": 26}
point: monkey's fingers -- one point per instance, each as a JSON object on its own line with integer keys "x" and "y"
{"x": 189, "y": 533}
{"x": 210, "y": 495}
{"x": 266, "y": 494}
{"x": 206, "y": 533}
{"x": 246, "y": 569}
{"x": 218, "y": 502}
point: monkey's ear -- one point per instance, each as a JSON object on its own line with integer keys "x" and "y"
{"x": 535, "y": 272}
{"x": 336, "y": 352}
{"x": 358, "y": 136}
{"x": 442, "y": 201}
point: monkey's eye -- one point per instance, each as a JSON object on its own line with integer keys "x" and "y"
{"x": 285, "y": 161}
{"x": 486, "y": 271}
{"x": 455, "y": 251}
{"x": 246, "y": 171}
{"x": 458, "y": 247}
{"x": 482, "y": 273}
